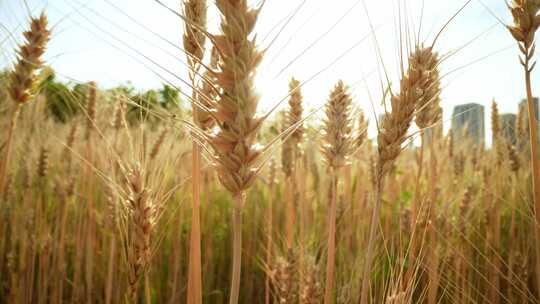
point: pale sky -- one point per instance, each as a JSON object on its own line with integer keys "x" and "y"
{"x": 114, "y": 41}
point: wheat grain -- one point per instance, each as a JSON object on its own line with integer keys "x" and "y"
{"x": 310, "y": 292}
{"x": 425, "y": 63}
{"x": 194, "y": 37}
{"x": 362, "y": 130}
{"x": 29, "y": 60}
{"x": 119, "y": 121}
{"x": 141, "y": 218}
{"x": 495, "y": 121}
{"x": 294, "y": 115}
{"x": 337, "y": 128}
{"x": 285, "y": 280}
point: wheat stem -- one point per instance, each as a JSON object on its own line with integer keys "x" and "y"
{"x": 535, "y": 166}
{"x": 433, "y": 263}
{"x": 414, "y": 214}
{"x": 194, "y": 277}
{"x": 526, "y": 23}
{"x": 6, "y": 159}
{"x": 331, "y": 242}
{"x": 194, "y": 40}
{"x": 239, "y": 200}
{"x": 270, "y": 220}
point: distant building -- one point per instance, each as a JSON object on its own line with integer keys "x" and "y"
{"x": 468, "y": 122}
{"x": 508, "y": 127}
{"x": 523, "y": 104}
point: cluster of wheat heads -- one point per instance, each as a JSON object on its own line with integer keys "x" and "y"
{"x": 107, "y": 211}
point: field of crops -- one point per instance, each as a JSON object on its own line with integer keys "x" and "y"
{"x": 117, "y": 195}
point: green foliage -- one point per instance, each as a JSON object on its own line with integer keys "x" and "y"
{"x": 143, "y": 105}
{"x": 62, "y": 102}
{"x": 170, "y": 97}
{"x": 65, "y": 101}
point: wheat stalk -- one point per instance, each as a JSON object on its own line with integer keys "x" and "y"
{"x": 289, "y": 155}
{"x": 392, "y": 134}
{"x": 424, "y": 76}
{"x": 119, "y": 120}
{"x": 141, "y": 216}
{"x": 234, "y": 143}
{"x": 294, "y": 115}
{"x": 90, "y": 229}
{"x": 194, "y": 39}
{"x": 337, "y": 147}
{"x": 295, "y": 120}
{"x": 526, "y": 23}
{"x": 426, "y": 62}
{"x": 270, "y": 226}
{"x": 495, "y": 122}
{"x": 362, "y": 130}
{"x": 22, "y": 78}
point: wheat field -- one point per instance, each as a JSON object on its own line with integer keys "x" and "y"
{"x": 114, "y": 194}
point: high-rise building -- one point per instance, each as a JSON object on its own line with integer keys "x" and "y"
{"x": 524, "y": 108}
{"x": 468, "y": 122}
{"x": 508, "y": 127}
{"x": 523, "y": 104}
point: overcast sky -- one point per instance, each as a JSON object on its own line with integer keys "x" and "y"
{"x": 114, "y": 41}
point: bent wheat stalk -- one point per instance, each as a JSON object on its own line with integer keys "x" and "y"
{"x": 425, "y": 62}
{"x": 392, "y": 134}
